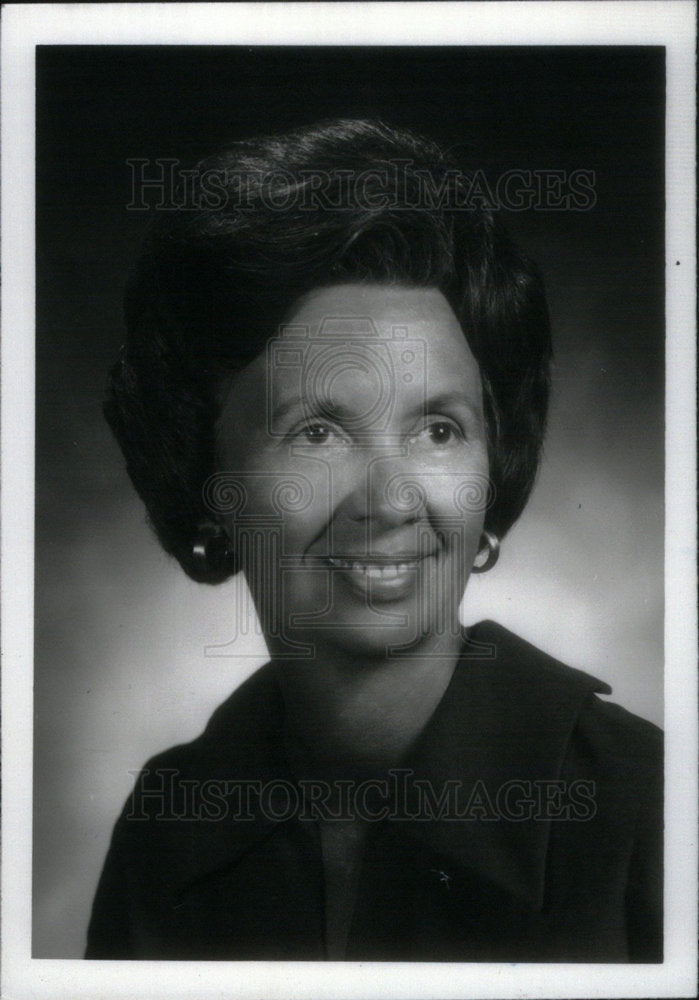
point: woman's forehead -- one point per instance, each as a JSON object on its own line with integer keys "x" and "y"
{"x": 343, "y": 344}
{"x": 415, "y": 326}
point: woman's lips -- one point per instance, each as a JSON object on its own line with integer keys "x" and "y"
{"x": 378, "y": 577}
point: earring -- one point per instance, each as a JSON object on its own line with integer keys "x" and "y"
{"x": 212, "y": 557}
{"x": 490, "y": 542}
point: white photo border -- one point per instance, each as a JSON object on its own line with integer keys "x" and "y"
{"x": 670, "y": 23}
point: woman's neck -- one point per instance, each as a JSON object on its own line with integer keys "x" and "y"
{"x": 347, "y": 714}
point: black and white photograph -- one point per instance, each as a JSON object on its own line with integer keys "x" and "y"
{"x": 358, "y": 648}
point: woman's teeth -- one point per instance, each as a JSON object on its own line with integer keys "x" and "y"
{"x": 376, "y": 571}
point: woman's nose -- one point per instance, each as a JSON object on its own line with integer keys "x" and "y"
{"x": 384, "y": 490}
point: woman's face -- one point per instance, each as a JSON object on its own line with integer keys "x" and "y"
{"x": 353, "y": 470}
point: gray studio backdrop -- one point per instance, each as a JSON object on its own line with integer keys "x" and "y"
{"x": 131, "y": 656}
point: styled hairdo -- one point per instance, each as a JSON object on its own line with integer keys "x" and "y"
{"x": 268, "y": 220}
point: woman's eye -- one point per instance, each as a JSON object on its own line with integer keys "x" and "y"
{"x": 441, "y": 432}
{"x": 318, "y": 433}
{"x": 315, "y": 433}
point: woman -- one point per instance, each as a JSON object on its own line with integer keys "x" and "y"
{"x": 336, "y": 381}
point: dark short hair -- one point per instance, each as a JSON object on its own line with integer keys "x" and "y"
{"x": 266, "y": 221}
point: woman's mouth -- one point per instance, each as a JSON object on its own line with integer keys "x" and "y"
{"x": 378, "y": 578}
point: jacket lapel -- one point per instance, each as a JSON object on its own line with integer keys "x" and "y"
{"x": 215, "y": 795}
{"x": 500, "y": 734}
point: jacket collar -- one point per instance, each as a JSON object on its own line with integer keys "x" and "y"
{"x": 507, "y": 715}
{"x": 239, "y": 751}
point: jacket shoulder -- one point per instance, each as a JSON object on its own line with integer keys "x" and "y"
{"x": 616, "y": 736}
{"x": 604, "y": 724}
{"x": 238, "y": 743}
{"x": 522, "y": 658}
{"x": 237, "y": 724}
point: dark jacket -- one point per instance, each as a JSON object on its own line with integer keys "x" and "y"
{"x": 525, "y": 825}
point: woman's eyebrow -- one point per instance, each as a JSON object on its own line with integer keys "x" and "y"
{"x": 325, "y": 407}
{"x": 316, "y": 405}
{"x": 285, "y": 407}
{"x": 444, "y": 400}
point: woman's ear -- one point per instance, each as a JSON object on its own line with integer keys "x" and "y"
{"x": 213, "y": 559}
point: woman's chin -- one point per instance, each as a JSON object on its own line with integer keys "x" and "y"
{"x": 380, "y": 632}
{"x": 371, "y": 611}
{"x": 366, "y": 645}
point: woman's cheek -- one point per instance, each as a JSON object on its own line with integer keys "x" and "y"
{"x": 459, "y": 486}
{"x": 457, "y": 504}
{"x": 303, "y": 499}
